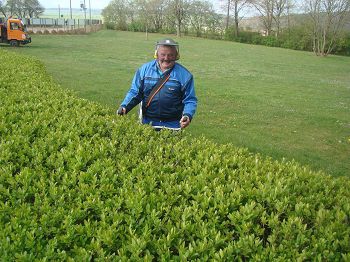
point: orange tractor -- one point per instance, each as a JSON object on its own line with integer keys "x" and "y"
{"x": 13, "y": 32}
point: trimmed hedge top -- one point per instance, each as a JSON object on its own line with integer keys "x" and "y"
{"x": 78, "y": 182}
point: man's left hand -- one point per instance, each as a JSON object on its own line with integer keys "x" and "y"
{"x": 184, "y": 121}
{"x": 121, "y": 111}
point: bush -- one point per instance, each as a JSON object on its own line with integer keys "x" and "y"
{"x": 77, "y": 182}
{"x": 243, "y": 36}
{"x": 257, "y": 39}
{"x": 229, "y": 34}
{"x": 136, "y": 27}
{"x": 270, "y": 41}
{"x": 342, "y": 46}
{"x": 296, "y": 38}
{"x": 247, "y": 37}
{"x": 110, "y": 26}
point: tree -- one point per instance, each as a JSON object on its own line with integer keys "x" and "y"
{"x": 157, "y": 11}
{"x": 24, "y": 8}
{"x": 271, "y": 12}
{"x": 33, "y": 8}
{"x": 228, "y": 8}
{"x": 143, "y": 10}
{"x": 199, "y": 13}
{"x": 215, "y": 25}
{"x": 116, "y": 14}
{"x": 151, "y": 12}
{"x": 177, "y": 12}
{"x": 238, "y": 6}
{"x": 328, "y": 18}
{"x": 266, "y": 9}
{"x": 279, "y": 10}
{"x": 3, "y": 7}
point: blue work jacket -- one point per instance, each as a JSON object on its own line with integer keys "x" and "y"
{"x": 175, "y": 99}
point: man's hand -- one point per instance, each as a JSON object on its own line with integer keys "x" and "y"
{"x": 184, "y": 121}
{"x": 121, "y": 111}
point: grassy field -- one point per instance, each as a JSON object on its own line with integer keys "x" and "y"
{"x": 280, "y": 103}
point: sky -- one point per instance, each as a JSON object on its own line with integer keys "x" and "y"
{"x": 95, "y": 4}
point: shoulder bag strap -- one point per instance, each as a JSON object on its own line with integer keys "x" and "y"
{"x": 158, "y": 87}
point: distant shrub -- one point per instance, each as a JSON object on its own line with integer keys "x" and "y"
{"x": 136, "y": 27}
{"x": 79, "y": 31}
{"x": 243, "y": 36}
{"x": 270, "y": 41}
{"x": 342, "y": 46}
{"x": 246, "y": 37}
{"x": 257, "y": 39}
{"x": 296, "y": 38}
{"x": 110, "y": 26}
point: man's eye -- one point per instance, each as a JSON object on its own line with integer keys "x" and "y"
{"x": 164, "y": 55}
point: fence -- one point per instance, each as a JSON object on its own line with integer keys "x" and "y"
{"x": 60, "y": 24}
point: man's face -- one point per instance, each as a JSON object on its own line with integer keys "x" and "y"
{"x": 166, "y": 57}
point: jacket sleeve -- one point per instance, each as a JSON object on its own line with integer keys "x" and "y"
{"x": 135, "y": 94}
{"x": 190, "y": 99}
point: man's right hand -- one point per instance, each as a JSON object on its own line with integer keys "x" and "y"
{"x": 121, "y": 111}
{"x": 185, "y": 121}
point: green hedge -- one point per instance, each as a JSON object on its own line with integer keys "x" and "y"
{"x": 78, "y": 182}
{"x": 297, "y": 38}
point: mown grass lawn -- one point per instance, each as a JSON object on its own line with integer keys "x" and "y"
{"x": 280, "y": 103}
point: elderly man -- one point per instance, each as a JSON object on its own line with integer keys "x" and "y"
{"x": 165, "y": 88}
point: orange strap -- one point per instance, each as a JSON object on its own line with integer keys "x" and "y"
{"x": 163, "y": 80}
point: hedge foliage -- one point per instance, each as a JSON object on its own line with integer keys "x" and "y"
{"x": 79, "y": 183}
{"x": 297, "y": 38}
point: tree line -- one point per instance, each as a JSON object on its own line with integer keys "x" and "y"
{"x": 321, "y": 26}
{"x": 21, "y": 8}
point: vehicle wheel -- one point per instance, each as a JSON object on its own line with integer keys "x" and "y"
{"x": 14, "y": 43}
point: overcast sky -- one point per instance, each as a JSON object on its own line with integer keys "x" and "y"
{"x": 95, "y": 4}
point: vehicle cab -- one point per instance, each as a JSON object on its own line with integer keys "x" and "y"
{"x": 13, "y": 31}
